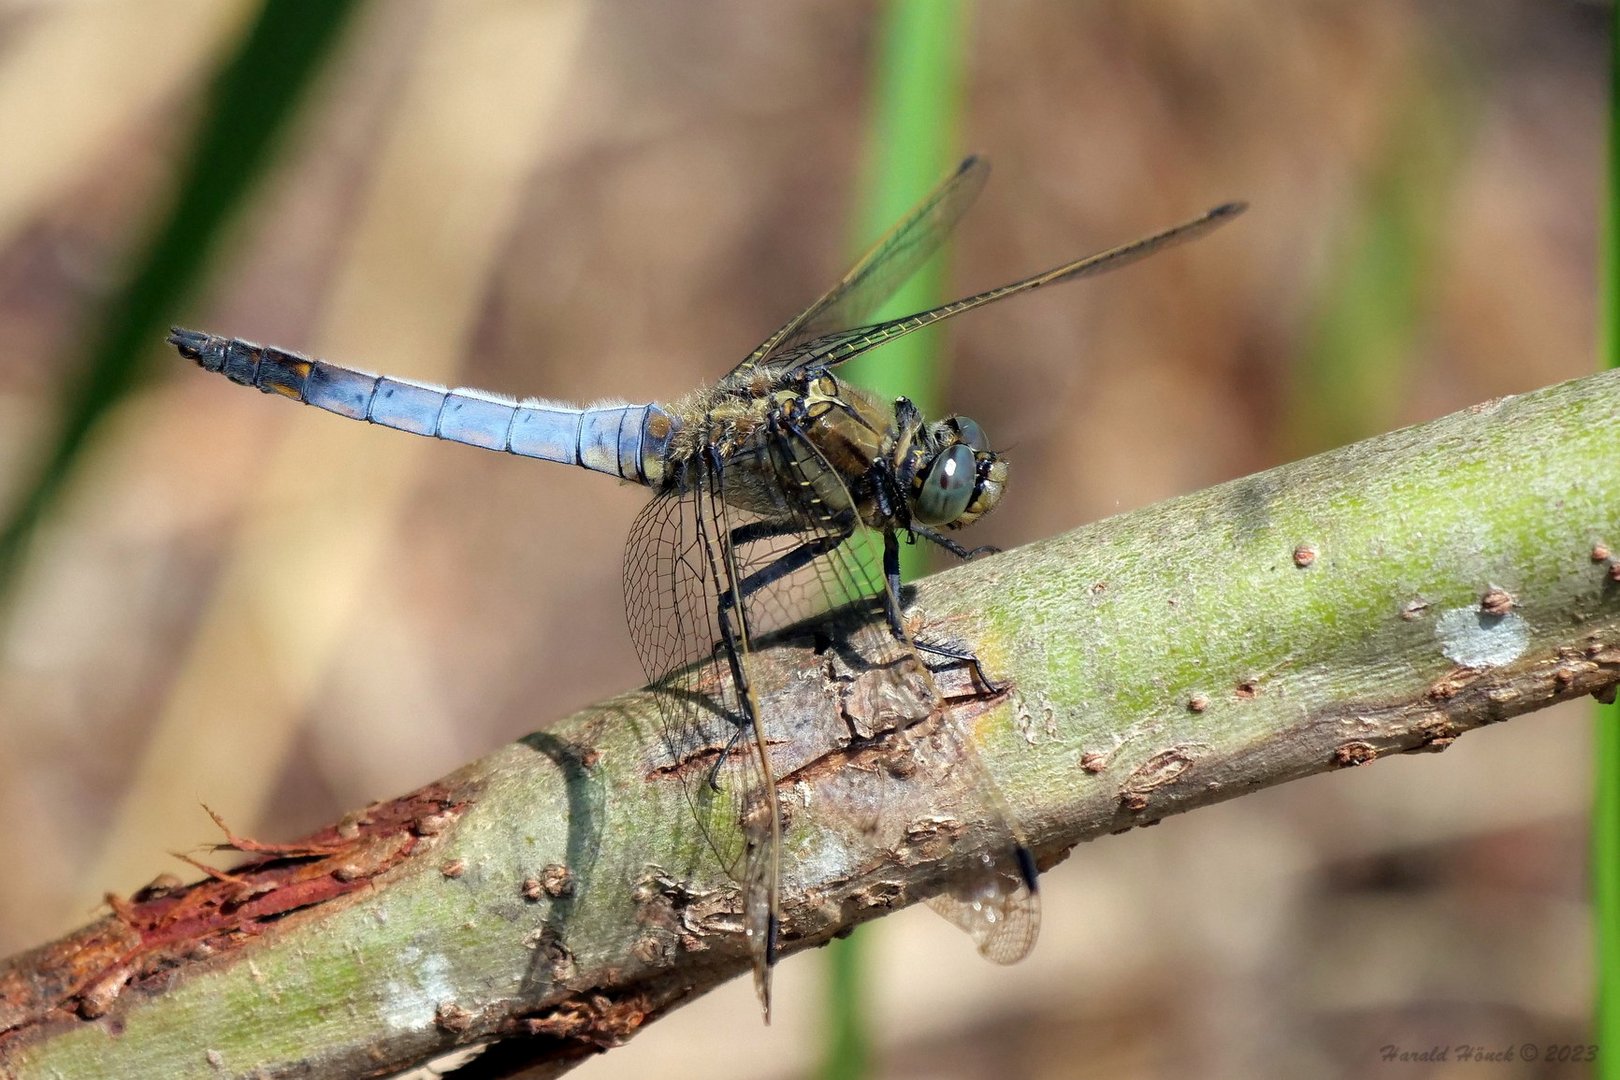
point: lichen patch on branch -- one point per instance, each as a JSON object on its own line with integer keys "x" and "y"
{"x": 1472, "y": 637}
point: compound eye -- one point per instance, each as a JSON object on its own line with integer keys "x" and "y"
{"x": 971, "y": 433}
{"x": 947, "y": 487}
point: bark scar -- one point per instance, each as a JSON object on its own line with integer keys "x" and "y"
{"x": 168, "y": 923}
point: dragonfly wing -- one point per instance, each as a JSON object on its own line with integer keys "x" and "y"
{"x": 993, "y": 898}
{"x": 883, "y": 269}
{"x": 841, "y": 345}
{"x": 995, "y": 908}
{"x": 744, "y": 528}
{"x": 677, "y": 567}
{"x": 771, "y": 530}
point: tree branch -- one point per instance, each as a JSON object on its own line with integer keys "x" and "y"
{"x": 1378, "y": 599}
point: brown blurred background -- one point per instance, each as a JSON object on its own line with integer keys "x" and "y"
{"x": 284, "y": 615}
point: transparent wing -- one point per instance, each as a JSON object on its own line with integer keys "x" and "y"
{"x": 706, "y": 578}
{"x": 995, "y": 907}
{"x": 761, "y": 529}
{"x": 841, "y": 345}
{"x": 883, "y": 269}
{"x": 992, "y": 894}
{"x": 781, "y": 558}
{"x": 678, "y": 566}
{"x": 994, "y": 899}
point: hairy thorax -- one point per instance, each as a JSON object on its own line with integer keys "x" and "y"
{"x": 806, "y": 446}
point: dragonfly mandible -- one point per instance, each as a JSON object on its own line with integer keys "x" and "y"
{"x": 779, "y": 492}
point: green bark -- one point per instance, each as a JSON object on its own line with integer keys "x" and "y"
{"x": 1381, "y": 598}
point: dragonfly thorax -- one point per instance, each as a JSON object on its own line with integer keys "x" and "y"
{"x": 853, "y": 452}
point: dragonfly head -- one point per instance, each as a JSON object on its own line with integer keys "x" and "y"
{"x": 959, "y": 478}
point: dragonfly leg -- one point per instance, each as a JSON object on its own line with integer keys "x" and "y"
{"x": 788, "y": 563}
{"x": 891, "y": 609}
{"x": 732, "y": 647}
{"x": 779, "y": 568}
{"x": 731, "y": 744}
{"x": 730, "y": 640}
{"x": 764, "y": 529}
{"x": 935, "y": 537}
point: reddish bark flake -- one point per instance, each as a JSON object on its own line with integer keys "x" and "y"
{"x": 557, "y": 881}
{"x": 1352, "y": 754}
{"x": 294, "y": 849}
{"x": 168, "y": 924}
{"x": 453, "y": 1018}
{"x": 596, "y": 1021}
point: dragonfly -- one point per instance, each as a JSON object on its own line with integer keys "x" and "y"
{"x": 778, "y": 493}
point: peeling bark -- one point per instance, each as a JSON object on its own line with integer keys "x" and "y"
{"x": 557, "y": 895}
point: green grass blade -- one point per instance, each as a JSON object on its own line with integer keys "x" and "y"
{"x": 1606, "y": 782}
{"x": 848, "y": 1042}
{"x": 911, "y": 144}
{"x": 252, "y": 97}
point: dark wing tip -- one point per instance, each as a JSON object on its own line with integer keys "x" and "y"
{"x": 190, "y": 343}
{"x": 1027, "y": 869}
{"x": 1229, "y": 209}
{"x": 973, "y": 163}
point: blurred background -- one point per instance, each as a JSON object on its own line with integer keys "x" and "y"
{"x": 285, "y": 615}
